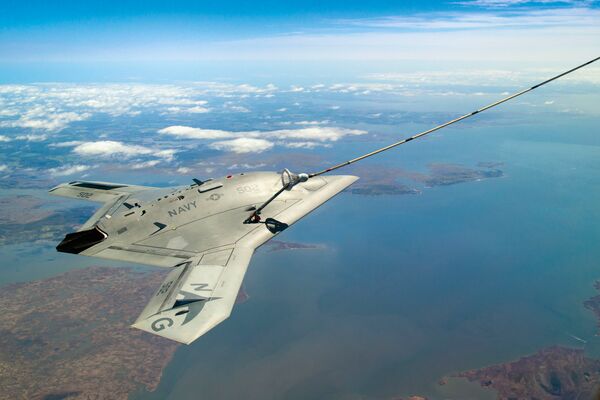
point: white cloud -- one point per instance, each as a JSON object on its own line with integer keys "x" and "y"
{"x": 325, "y": 121}
{"x": 247, "y": 166}
{"x": 309, "y": 133}
{"x": 320, "y": 133}
{"x": 4, "y": 138}
{"x": 54, "y": 106}
{"x": 197, "y": 110}
{"x": 245, "y": 88}
{"x": 3, "y": 168}
{"x": 256, "y": 141}
{"x": 167, "y": 154}
{"x": 510, "y": 3}
{"x": 9, "y": 112}
{"x": 236, "y": 108}
{"x": 304, "y": 145}
{"x": 145, "y": 164}
{"x": 109, "y": 148}
{"x": 184, "y": 170}
{"x": 39, "y": 118}
{"x": 191, "y": 110}
{"x": 68, "y": 170}
{"x": 446, "y": 77}
{"x": 32, "y": 138}
{"x": 243, "y": 145}
{"x": 71, "y": 143}
{"x": 182, "y": 101}
{"x": 195, "y": 133}
{"x": 515, "y": 18}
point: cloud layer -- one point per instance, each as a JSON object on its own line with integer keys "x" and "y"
{"x": 68, "y": 170}
{"x": 54, "y": 107}
{"x": 243, "y": 145}
{"x": 259, "y": 141}
{"x": 110, "y": 148}
{"x": 188, "y": 132}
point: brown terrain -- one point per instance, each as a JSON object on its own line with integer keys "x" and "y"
{"x": 68, "y": 337}
{"x": 381, "y": 180}
{"x": 550, "y": 374}
{"x": 451, "y": 174}
{"x": 22, "y": 209}
{"x": 593, "y": 304}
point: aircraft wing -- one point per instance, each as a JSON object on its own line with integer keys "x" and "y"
{"x": 196, "y": 296}
{"x": 101, "y": 192}
{"x": 112, "y": 195}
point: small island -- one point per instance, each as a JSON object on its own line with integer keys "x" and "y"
{"x": 278, "y": 245}
{"x": 383, "y": 180}
{"x": 452, "y": 174}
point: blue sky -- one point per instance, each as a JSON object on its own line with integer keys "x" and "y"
{"x": 157, "y": 40}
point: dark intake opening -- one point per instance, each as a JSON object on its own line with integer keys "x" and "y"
{"x": 77, "y": 242}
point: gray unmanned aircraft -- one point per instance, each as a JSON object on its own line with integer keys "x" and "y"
{"x": 206, "y": 232}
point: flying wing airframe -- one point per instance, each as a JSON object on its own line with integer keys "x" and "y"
{"x": 198, "y": 231}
